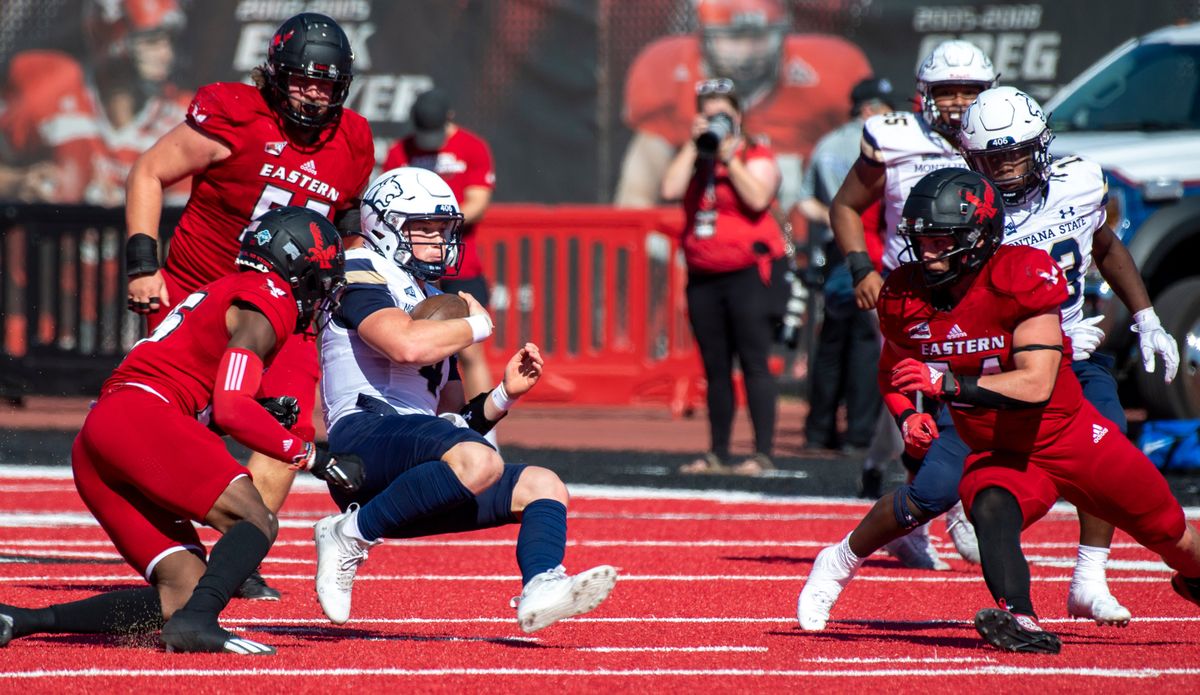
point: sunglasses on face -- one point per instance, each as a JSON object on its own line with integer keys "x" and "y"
{"x": 717, "y": 86}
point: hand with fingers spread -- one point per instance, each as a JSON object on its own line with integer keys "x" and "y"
{"x": 523, "y": 371}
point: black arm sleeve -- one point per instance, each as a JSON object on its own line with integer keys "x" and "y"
{"x": 472, "y": 412}
{"x": 971, "y": 393}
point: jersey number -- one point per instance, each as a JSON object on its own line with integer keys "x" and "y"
{"x": 276, "y": 197}
{"x": 1066, "y": 254}
{"x": 990, "y": 365}
{"x": 173, "y": 319}
{"x": 433, "y": 376}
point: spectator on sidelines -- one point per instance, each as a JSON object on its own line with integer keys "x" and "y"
{"x": 285, "y": 140}
{"x": 146, "y": 467}
{"x": 728, "y": 181}
{"x": 386, "y": 376}
{"x": 464, "y": 160}
{"x": 71, "y": 132}
{"x": 848, "y": 343}
{"x": 793, "y": 89}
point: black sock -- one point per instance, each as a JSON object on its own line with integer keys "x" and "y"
{"x": 997, "y": 517}
{"x": 233, "y": 558}
{"x": 125, "y": 612}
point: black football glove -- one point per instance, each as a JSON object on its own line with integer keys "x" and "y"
{"x": 285, "y": 410}
{"x": 344, "y": 471}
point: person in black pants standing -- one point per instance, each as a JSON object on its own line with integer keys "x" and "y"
{"x": 727, "y": 182}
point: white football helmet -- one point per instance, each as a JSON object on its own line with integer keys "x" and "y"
{"x": 1004, "y": 137}
{"x": 951, "y": 62}
{"x": 405, "y": 195}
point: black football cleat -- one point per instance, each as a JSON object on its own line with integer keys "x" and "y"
{"x": 255, "y": 588}
{"x": 1015, "y": 633}
{"x": 189, "y": 633}
{"x": 1187, "y": 588}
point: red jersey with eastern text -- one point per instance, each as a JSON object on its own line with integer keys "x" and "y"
{"x": 975, "y": 338}
{"x": 54, "y": 112}
{"x": 179, "y": 359}
{"x": 810, "y": 98}
{"x": 464, "y": 160}
{"x": 265, "y": 170}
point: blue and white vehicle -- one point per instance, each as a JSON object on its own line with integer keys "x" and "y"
{"x": 1136, "y": 112}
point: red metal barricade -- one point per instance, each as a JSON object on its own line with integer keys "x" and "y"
{"x": 602, "y": 293}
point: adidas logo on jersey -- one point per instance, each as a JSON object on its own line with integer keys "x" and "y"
{"x": 956, "y": 333}
{"x": 1098, "y": 432}
{"x": 310, "y": 166}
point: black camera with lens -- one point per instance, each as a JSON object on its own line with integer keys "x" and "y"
{"x": 720, "y": 125}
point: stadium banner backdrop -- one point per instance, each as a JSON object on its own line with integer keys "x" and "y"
{"x": 542, "y": 80}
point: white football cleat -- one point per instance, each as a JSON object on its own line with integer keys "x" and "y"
{"x": 554, "y": 595}
{"x": 1094, "y": 602}
{"x": 338, "y": 558}
{"x": 914, "y": 550}
{"x": 962, "y": 533}
{"x": 821, "y": 591}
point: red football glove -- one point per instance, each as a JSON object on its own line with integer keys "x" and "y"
{"x": 911, "y": 376}
{"x": 918, "y": 430}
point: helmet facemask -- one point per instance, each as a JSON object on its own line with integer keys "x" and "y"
{"x": 950, "y": 124}
{"x": 1019, "y": 169}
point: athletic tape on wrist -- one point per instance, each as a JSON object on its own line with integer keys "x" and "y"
{"x": 501, "y": 399}
{"x": 481, "y": 327}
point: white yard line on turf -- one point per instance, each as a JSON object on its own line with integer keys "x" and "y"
{"x": 308, "y": 673}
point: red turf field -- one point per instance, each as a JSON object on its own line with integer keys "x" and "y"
{"x": 706, "y": 600}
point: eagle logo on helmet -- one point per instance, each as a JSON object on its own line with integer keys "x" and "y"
{"x": 279, "y": 39}
{"x": 984, "y": 209}
{"x": 319, "y": 252}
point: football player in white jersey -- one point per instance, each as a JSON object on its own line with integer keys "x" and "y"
{"x": 898, "y": 149}
{"x": 385, "y": 378}
{"x": 1059, "y": 206}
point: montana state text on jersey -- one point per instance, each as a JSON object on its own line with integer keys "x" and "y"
{"x": 265, "y": 170}
{"x": 908, "y": 149}
{"x": 810, "y": 98}
{"x": 1062, "y": 223}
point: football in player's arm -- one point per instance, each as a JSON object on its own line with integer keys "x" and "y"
{"x": 385, "y": 378}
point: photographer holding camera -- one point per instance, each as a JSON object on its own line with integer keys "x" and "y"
{"x": 728, "y": 182}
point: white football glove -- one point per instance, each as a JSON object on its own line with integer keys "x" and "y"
{"x": 1086, "y": 336}
{"x": 1153, "y": 339}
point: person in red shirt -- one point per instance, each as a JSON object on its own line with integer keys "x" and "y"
{"x": 71, "y": 131}
{"x": 145, "y": 464}
{"x": 287, "y": 140}
{"x": 794, "y": 89}
{"x": 975, "y": 324}
{"x": 728, "y": 182}
{"x": 464, "y": 160}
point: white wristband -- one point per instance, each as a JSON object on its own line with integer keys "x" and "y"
{"x": 481, "y": 327}
{"x": 501, "y": 399}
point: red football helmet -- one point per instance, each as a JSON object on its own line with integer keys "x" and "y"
{"x": 743, "y": 40}
{"x": 110, "y": 25}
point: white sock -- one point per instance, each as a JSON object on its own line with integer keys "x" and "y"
{"x": 350, "y": 527}
{"x": 846, "y": 557}
{"x": 1089, "y": 565}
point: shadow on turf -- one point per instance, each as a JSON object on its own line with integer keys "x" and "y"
{"x": 324, "y": 634}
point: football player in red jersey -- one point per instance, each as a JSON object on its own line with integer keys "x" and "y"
{"x": 286, "y": 141}
{"x": 976, "y": 325}
{"x": 794, "y": 87}
{"x": 145, "y": 465}
{"x": 73, "y": 130}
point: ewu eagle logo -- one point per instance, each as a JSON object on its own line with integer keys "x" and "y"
{"x": 319, "y": 252}
{"x": 984, "y": 209}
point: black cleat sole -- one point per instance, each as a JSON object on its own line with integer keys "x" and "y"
{"x": 255, "y": 588}
{"x": 1181, "y": 587}
{"x": 1001, "y": 630}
